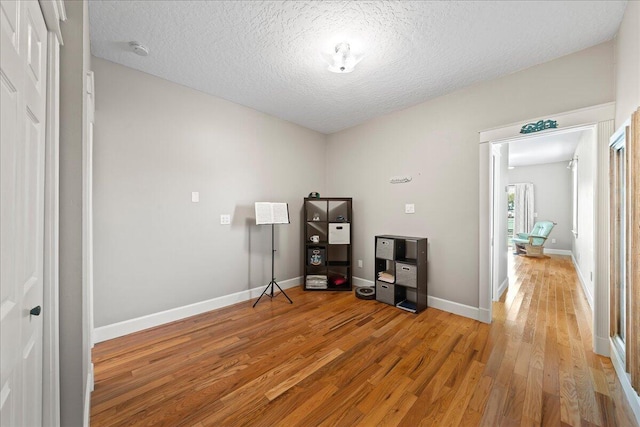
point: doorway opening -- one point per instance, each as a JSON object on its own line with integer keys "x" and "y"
{"x": 599, "y": 119}
{"x": 535, "y": 180}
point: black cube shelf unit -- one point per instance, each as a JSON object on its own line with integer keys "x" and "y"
{"x": 327, "y": 244}
{"x": 401, "y": 271}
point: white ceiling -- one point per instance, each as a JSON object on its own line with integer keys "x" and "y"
{"x": 544, "y": 149}
{"x": 267, "y": 54}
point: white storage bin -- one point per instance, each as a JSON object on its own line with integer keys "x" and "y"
{"x": 339, "y": 233}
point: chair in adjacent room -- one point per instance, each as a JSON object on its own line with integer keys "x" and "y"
{"x": 532, "y": 244}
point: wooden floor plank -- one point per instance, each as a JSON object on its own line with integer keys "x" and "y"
{"x": 331, "y": 359}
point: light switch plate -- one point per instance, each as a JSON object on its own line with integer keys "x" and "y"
{"x": 225, "y": 219}
{"x": 195, "y": 196}
{"x": 409, "y": 208}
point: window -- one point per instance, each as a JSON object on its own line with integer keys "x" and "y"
{"x": 618, "y": 159}
{"x": 624, "y": 161}
{"x": 574, "y": 189}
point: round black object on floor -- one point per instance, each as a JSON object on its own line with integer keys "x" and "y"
{"x": 365, "y": 293}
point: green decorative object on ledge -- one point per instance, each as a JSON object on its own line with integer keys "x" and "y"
{"x": 540, "y": 125}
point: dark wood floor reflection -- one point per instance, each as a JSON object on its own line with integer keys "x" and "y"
{"x": 331, "y": 359}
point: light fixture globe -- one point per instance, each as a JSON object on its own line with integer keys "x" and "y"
{"x": 343, "y": 60}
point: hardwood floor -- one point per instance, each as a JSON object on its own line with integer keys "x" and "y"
{"x": 331, "y": 359}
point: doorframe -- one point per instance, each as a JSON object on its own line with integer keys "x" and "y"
{"x": 496, "y": 164}
{"x": 598, "y": 116}
{"x": 495, "y": 285}
{"x": 53, "y": 12}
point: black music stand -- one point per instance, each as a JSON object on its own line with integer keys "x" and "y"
{"x": 271, "y": 214}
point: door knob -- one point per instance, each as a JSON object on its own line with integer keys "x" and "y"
{"x": 35, "y": 311}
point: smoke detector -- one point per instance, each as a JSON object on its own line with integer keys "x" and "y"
{"x": 139, "y": 49}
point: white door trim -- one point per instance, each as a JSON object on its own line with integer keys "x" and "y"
{"x": 585, "y": 117}
{"x": 495, "y": 169}
{"x": 53, "y": 12}
{"x": 87, "y": 243}
{"x": 566, "y": 120}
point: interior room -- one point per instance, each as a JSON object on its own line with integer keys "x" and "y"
{"x": 319, "y": 213}
{"x": 543, "y": 183}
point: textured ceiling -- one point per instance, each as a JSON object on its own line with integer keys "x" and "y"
{"x": 267, "y": 54}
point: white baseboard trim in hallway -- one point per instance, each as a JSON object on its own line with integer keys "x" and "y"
{"x": 623, "y": 377}
{"x": 503, "y": 287}
{"x": 583, "y": 282}
{"x": 104, "y": 333}
{"x": 558, "y": 252}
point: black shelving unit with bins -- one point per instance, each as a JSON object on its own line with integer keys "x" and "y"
{"x": 327, "y": 244}
{"x": 401, "y": 271}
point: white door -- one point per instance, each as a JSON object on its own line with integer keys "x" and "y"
{"x": 23, "y": 61}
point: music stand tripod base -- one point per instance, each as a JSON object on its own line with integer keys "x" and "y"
{"x": 273, "y": 282}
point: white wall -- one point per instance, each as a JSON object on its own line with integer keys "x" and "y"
{"x": 437, "y": 143}
{"x": 627, "y": 57}
{"x": 584, "y": 243}
{"x": 155, "y": 143}
{"x": 552, "y": 198}
{"x": 74, "y": 353}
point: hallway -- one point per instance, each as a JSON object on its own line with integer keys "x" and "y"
{"x": 542, "y": 339}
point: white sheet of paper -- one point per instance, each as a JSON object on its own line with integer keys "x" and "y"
{"x": 272, "y": 213}
{"x": 280, "y": 213}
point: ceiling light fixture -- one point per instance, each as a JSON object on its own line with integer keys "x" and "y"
{"x": 343, "y": 60}
{"x": 139, "y": 49}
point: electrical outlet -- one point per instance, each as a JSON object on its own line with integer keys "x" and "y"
{"x": 225, "y": 219}
{"x": 195, "y": 196}
{"x": 409, "y": 208}
{"x": 360, "y": 263}
{"x": 553, "y": 240}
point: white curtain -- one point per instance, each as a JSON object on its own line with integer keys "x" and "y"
{"x": 523, "y": 208}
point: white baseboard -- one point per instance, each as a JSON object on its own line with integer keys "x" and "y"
{"x": 558, "y": 251}
{"x": 484, "y": 315}
{"x": 360, "y": 282}
{"x": 126, "y": 327}
{"x": 445, "y": 305}
{"x": 632, "y": 397}
{"x": 583, "y": 282}
{"x": 602, "y": 346}
{"x": 503, "y": 287}
{"x": 456, "y": 308}
{"x": 104, "y": 333}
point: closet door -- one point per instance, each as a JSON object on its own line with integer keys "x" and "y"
{"x": 23, "y": 64}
